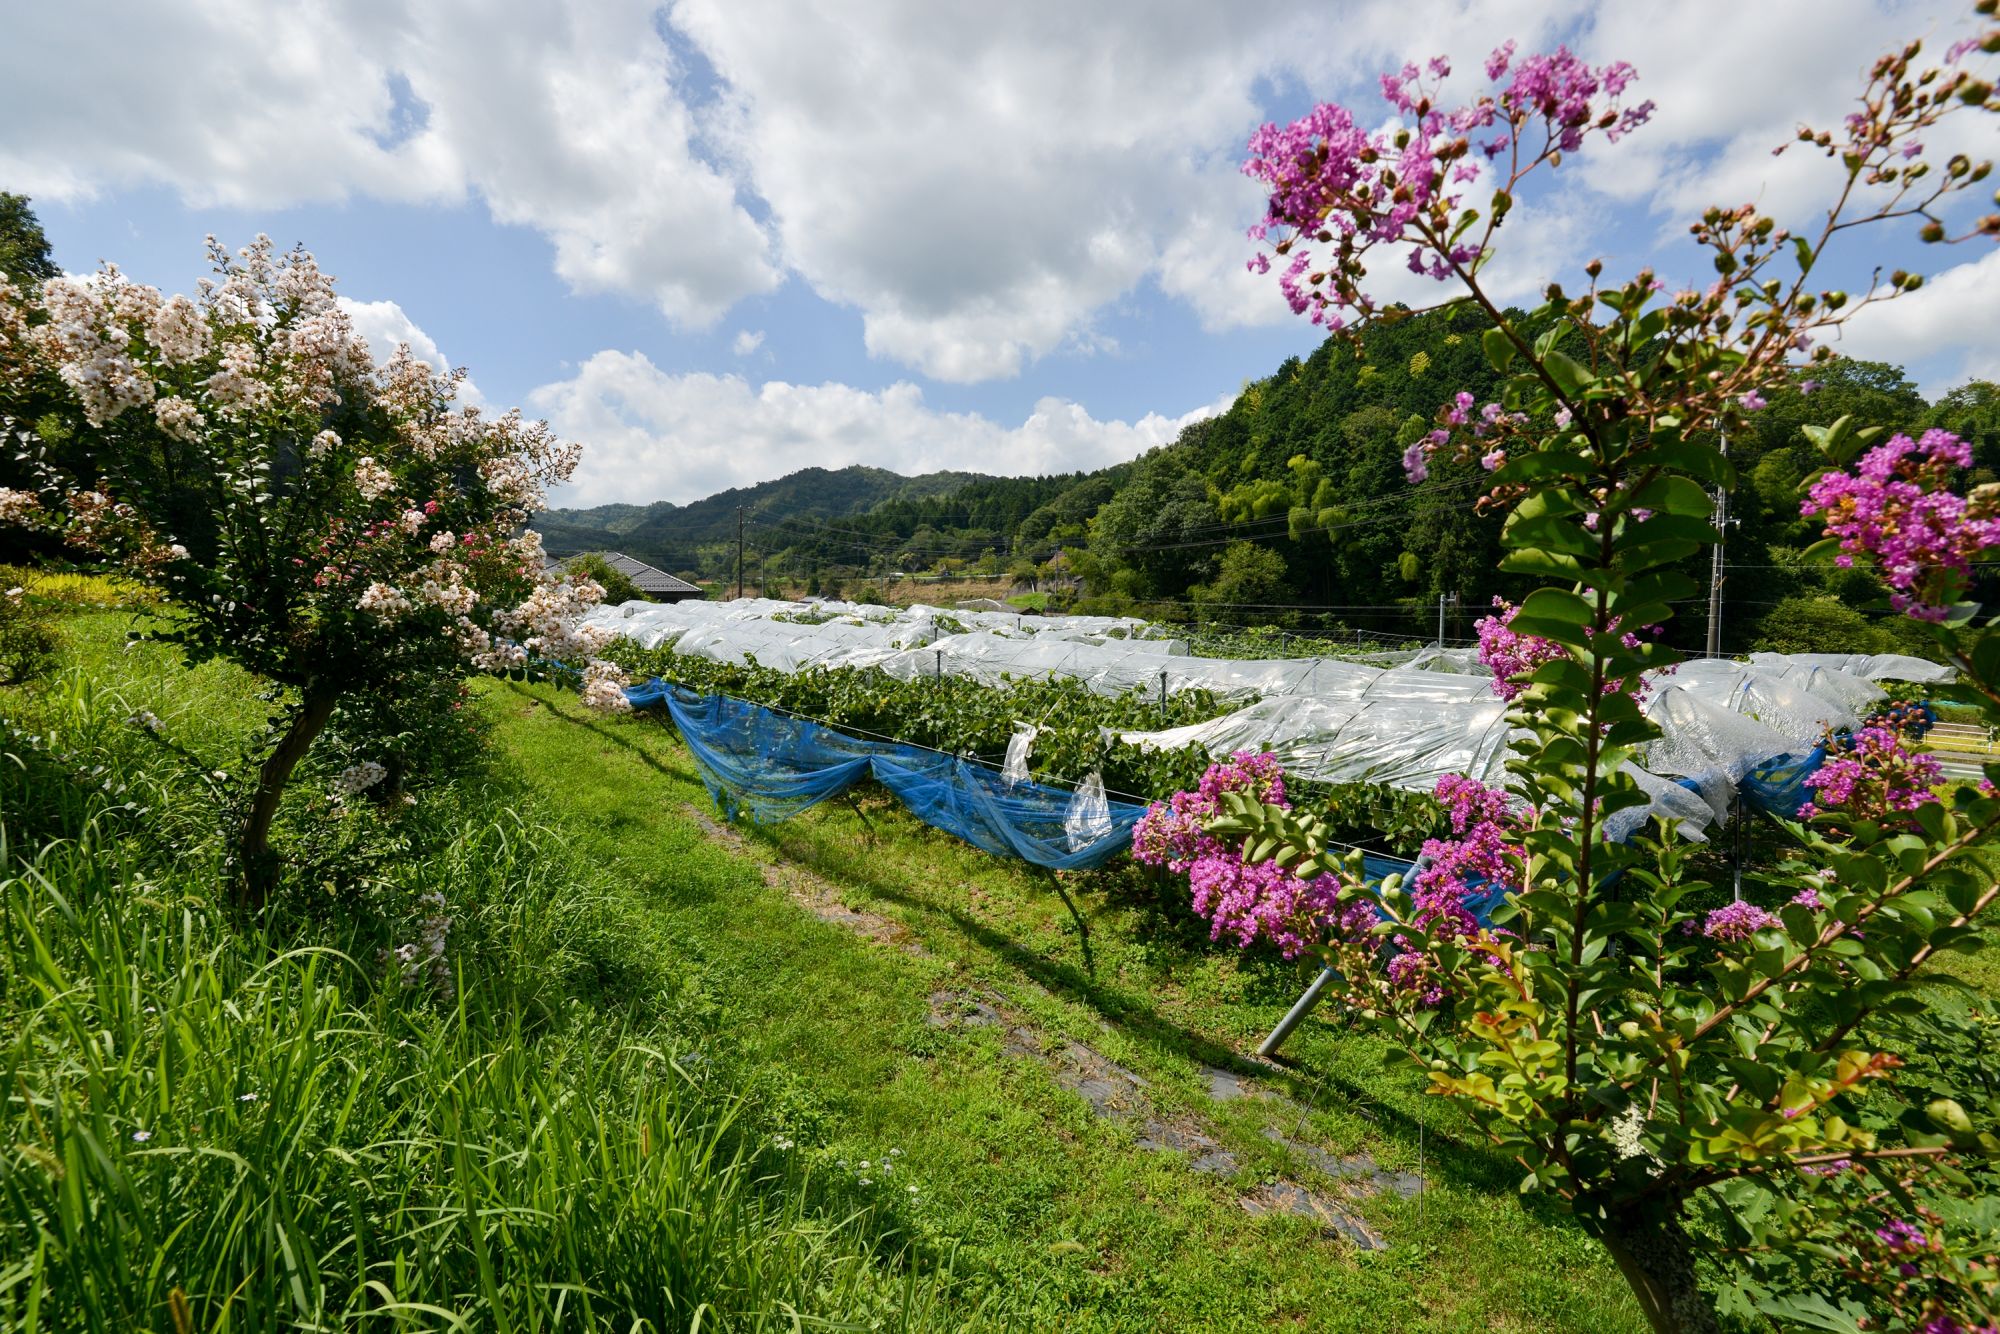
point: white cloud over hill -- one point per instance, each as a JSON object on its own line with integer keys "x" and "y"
{"x": 650, "y": 434}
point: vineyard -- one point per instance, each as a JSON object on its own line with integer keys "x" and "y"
{"x": 1072, "y": 698}
{"x": 400, "y": 930}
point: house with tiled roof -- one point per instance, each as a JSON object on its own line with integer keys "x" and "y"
{"x": 657, "y": 585}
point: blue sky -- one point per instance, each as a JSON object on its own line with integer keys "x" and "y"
{"x": 717, "y": 241}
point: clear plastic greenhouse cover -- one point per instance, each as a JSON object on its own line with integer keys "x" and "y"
{"x": 1425, "y": 714}
{"x": 1868, "y": 666}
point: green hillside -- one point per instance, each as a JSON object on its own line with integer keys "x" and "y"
{"x": 694, "y": 536}
{"x": 1291, "y": 509}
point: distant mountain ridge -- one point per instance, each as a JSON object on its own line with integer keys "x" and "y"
{"x": 671, "y": 536}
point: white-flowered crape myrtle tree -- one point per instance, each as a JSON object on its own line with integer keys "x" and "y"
{"x": 335, "y": 525}
{"x": 1760, "y": 1101}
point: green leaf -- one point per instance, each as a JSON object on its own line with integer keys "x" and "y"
{"x": 1569, "y": 373}
{"x": 1499, "y": 349}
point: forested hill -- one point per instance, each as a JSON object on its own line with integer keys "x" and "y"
{"x": 675, "y": 536}
{"x": 1291, "y": 508}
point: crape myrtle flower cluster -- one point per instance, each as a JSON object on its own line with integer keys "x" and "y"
{"x": 1333, "y": 182}
{"x": 1896, "y": 508}
{"x": 357, "y": 509}
{"x": 1871, "y": 774}
{"x": 1244, "y": 901}
{"x": 1512, "y": 656}
{"x": 1252, "y": 902}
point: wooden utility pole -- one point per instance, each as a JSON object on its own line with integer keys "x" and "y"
{"x": 1715, "y": 564}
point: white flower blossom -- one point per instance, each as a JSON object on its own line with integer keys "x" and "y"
{"x": 18, "y": 506}
{"x": 385, "y": 602}
{"x": 178, "y": 332}
{"x": 358, "y": 778}
{"x": 604, "y": 687}
{"x": 373, "y": 480}
{"x": 1624, "y": 1131}
{"x": 235, "y": 387}
{"x": 178, "y": 418}
{"x": 323, "y": 444}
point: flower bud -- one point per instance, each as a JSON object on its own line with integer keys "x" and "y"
{"x": 1949, "y": 1115}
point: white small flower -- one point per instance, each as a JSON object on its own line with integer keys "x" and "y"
{"x": 141, "y": 1136}
{"x": 358, "y": 778}
{"x": 246, "y": 1097}
{"x": 373, "y": 480}
{"x": 1624, "y": 1132}
{"x": 912, "y": 1190}
{"x": 866, "y": 1182}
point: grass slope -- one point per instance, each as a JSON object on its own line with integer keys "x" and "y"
{"x": 1068, "y": 1221}
{"x": 212, "y": 1125}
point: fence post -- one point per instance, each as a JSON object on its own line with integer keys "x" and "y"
{"x": 939, "y": 676}
{"x": 1163, "y": 697}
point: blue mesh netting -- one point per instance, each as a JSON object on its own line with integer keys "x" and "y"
{"x": 1780, "y": 786}
{"x": 770, "y": 766}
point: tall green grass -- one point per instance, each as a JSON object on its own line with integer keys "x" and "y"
{"x": 214, "y": 1125}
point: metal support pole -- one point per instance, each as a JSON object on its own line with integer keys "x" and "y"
{"x": 1296, "y": 1015}
{"x": 940, "y": 663}
{"x": 739, "y": 551}
{"x": 1440, "y": 620}
{"x": 1163, "y": 696}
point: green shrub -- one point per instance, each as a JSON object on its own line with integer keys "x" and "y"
{"x": 28, "y": 638}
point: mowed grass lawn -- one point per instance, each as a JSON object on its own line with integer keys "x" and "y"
{"x": 1062, "y": 1219}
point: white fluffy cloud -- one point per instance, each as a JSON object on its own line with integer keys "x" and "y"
{"x": 747, "y": 341}
{"x": 569, "y": 119}
{"x": 387, "y": 326}
{"x": 1734, "y": 81}
{"x": 981, "y": 183}
{"x": 1946, "y": 324}
{"x": 650, "y": 434}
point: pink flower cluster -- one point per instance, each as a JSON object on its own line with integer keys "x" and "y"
{"x": 1737, "y": 921}
{"x": 1895, "y": 508}
{"x": 1871, "y": 775}
{"x": 1477, "y": 857}
{"x": 1330, "y": 180}
{"x": 1243, "y": 901}
{"x": 1511, "y": 655}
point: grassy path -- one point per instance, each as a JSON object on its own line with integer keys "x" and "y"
{"x": 1076, "y": 1224}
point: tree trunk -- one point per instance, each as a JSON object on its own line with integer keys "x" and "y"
{"x": 1656, "y": 1255}
{"x": 257, "y": 867}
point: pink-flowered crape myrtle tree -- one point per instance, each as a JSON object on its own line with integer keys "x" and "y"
{"x": 1765, "y": 1075}
{"x": 334, "y": 525}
